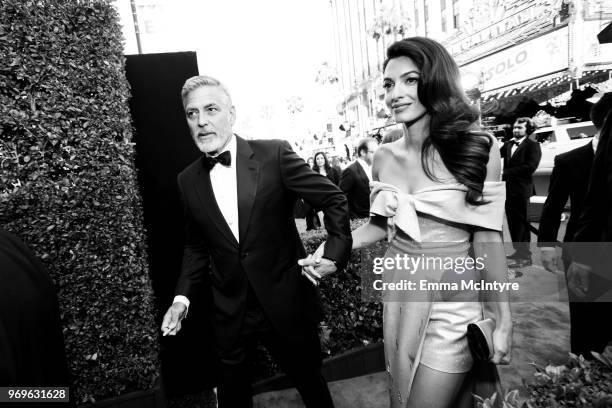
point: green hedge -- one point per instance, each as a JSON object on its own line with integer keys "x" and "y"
{"x": 578, "y": 383}
{"x": 68, "y": 184}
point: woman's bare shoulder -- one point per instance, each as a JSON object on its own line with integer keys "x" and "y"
{"x": 385, "y": 154}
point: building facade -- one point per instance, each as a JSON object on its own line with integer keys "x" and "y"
{"x": 507, "y": 50}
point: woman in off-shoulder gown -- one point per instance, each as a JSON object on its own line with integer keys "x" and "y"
{"x": 436, "y": 191}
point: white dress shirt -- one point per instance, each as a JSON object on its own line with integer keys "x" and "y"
{"x": 366, "y": 167}
{"x": 225, "y": 189}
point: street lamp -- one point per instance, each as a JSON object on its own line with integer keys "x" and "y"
{"x": 136, "y": 29}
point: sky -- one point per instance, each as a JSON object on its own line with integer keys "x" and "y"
{"x": 265, "y": 51}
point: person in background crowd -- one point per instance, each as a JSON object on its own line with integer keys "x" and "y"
{"x": 310, "y": 214}
{"x": 508, "y": 132}
{"x": 355, "y": 179}
{"x": 342, "y": 164}
{"x": 335, "y": 163}
{"x": 242, "y": 246}
{"x": 589, "y": 275}
{"x": 521, "y": 157}
{"x": 31, "y": 341}
{"x": 323, "y": 167}
{"x": 569, "y": 180}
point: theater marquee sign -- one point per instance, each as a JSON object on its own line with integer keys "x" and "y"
{"x": 490, "y": 19}
{"x": 531, "y": 59}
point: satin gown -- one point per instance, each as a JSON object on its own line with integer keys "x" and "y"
{"x": 429, "y": 327}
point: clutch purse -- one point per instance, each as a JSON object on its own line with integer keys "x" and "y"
{"x": 480, "y": 339}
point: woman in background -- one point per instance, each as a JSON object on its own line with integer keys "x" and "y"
{"x": 323, "y": 167}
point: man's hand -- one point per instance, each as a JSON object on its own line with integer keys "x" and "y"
{"x": 172, "y": 319}
{"x": 315, "y": 267}
{"x": 578, "y": 279}
{"x": 550, "y": 260}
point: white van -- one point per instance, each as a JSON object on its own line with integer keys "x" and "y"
{"x": 560, "y": 139}
{"x": 555, "y": 140}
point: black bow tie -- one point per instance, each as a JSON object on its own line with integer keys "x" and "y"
{"x": 224, "y": 158}
{"x": 515, "y": 142}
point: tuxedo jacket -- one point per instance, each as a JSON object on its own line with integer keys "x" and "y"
{"x": 595, "y": 223}
{"x": 520, "y": 166}
{"x": 569, "y": 179}
{"x": 270, "y": 176}
{"x": 356, "y": 184}
{"x": 334, "y": 175}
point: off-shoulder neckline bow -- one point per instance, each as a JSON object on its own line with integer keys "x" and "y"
{"x": 389, "y": 201}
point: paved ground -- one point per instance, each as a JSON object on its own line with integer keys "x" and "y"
{"x": 541, "y": 335}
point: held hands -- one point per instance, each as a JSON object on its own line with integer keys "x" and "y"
{"x": 172, "y": 319}
{"x": 578, "y": 279}
{"x": 315, "y": 267}
{"x": 502, "y": 344}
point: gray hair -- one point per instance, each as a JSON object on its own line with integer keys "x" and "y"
{"x": 200, "y": 81}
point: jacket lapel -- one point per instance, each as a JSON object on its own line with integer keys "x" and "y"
{"x": 247, "y": 172}
{"x": 211, "y": 208}
{"x": 519, "y": 148}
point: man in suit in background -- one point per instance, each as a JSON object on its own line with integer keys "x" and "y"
{"x": 589, "y": 275}
{"x": 355, "y": 179}
{"x": 242, "y": 245}
{"x": 521, "y": 157}
{"x": 569, "y": 179}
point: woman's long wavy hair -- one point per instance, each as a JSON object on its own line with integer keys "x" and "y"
{"x": 327, "y": 166}
{"x": 453, "y": 129}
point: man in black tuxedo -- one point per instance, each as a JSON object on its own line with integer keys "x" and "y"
{"x": 589, "y": 276}
{"x": 242, "y": 245}
{"x": 355, "y": 179}
{"x": 569, "y": 179}
{"x": 521, "y": 157}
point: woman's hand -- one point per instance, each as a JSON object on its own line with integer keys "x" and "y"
{"x": 315, "y": 267}
{"x": 502, "y": 343}
{"x": 318, "y": 254}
